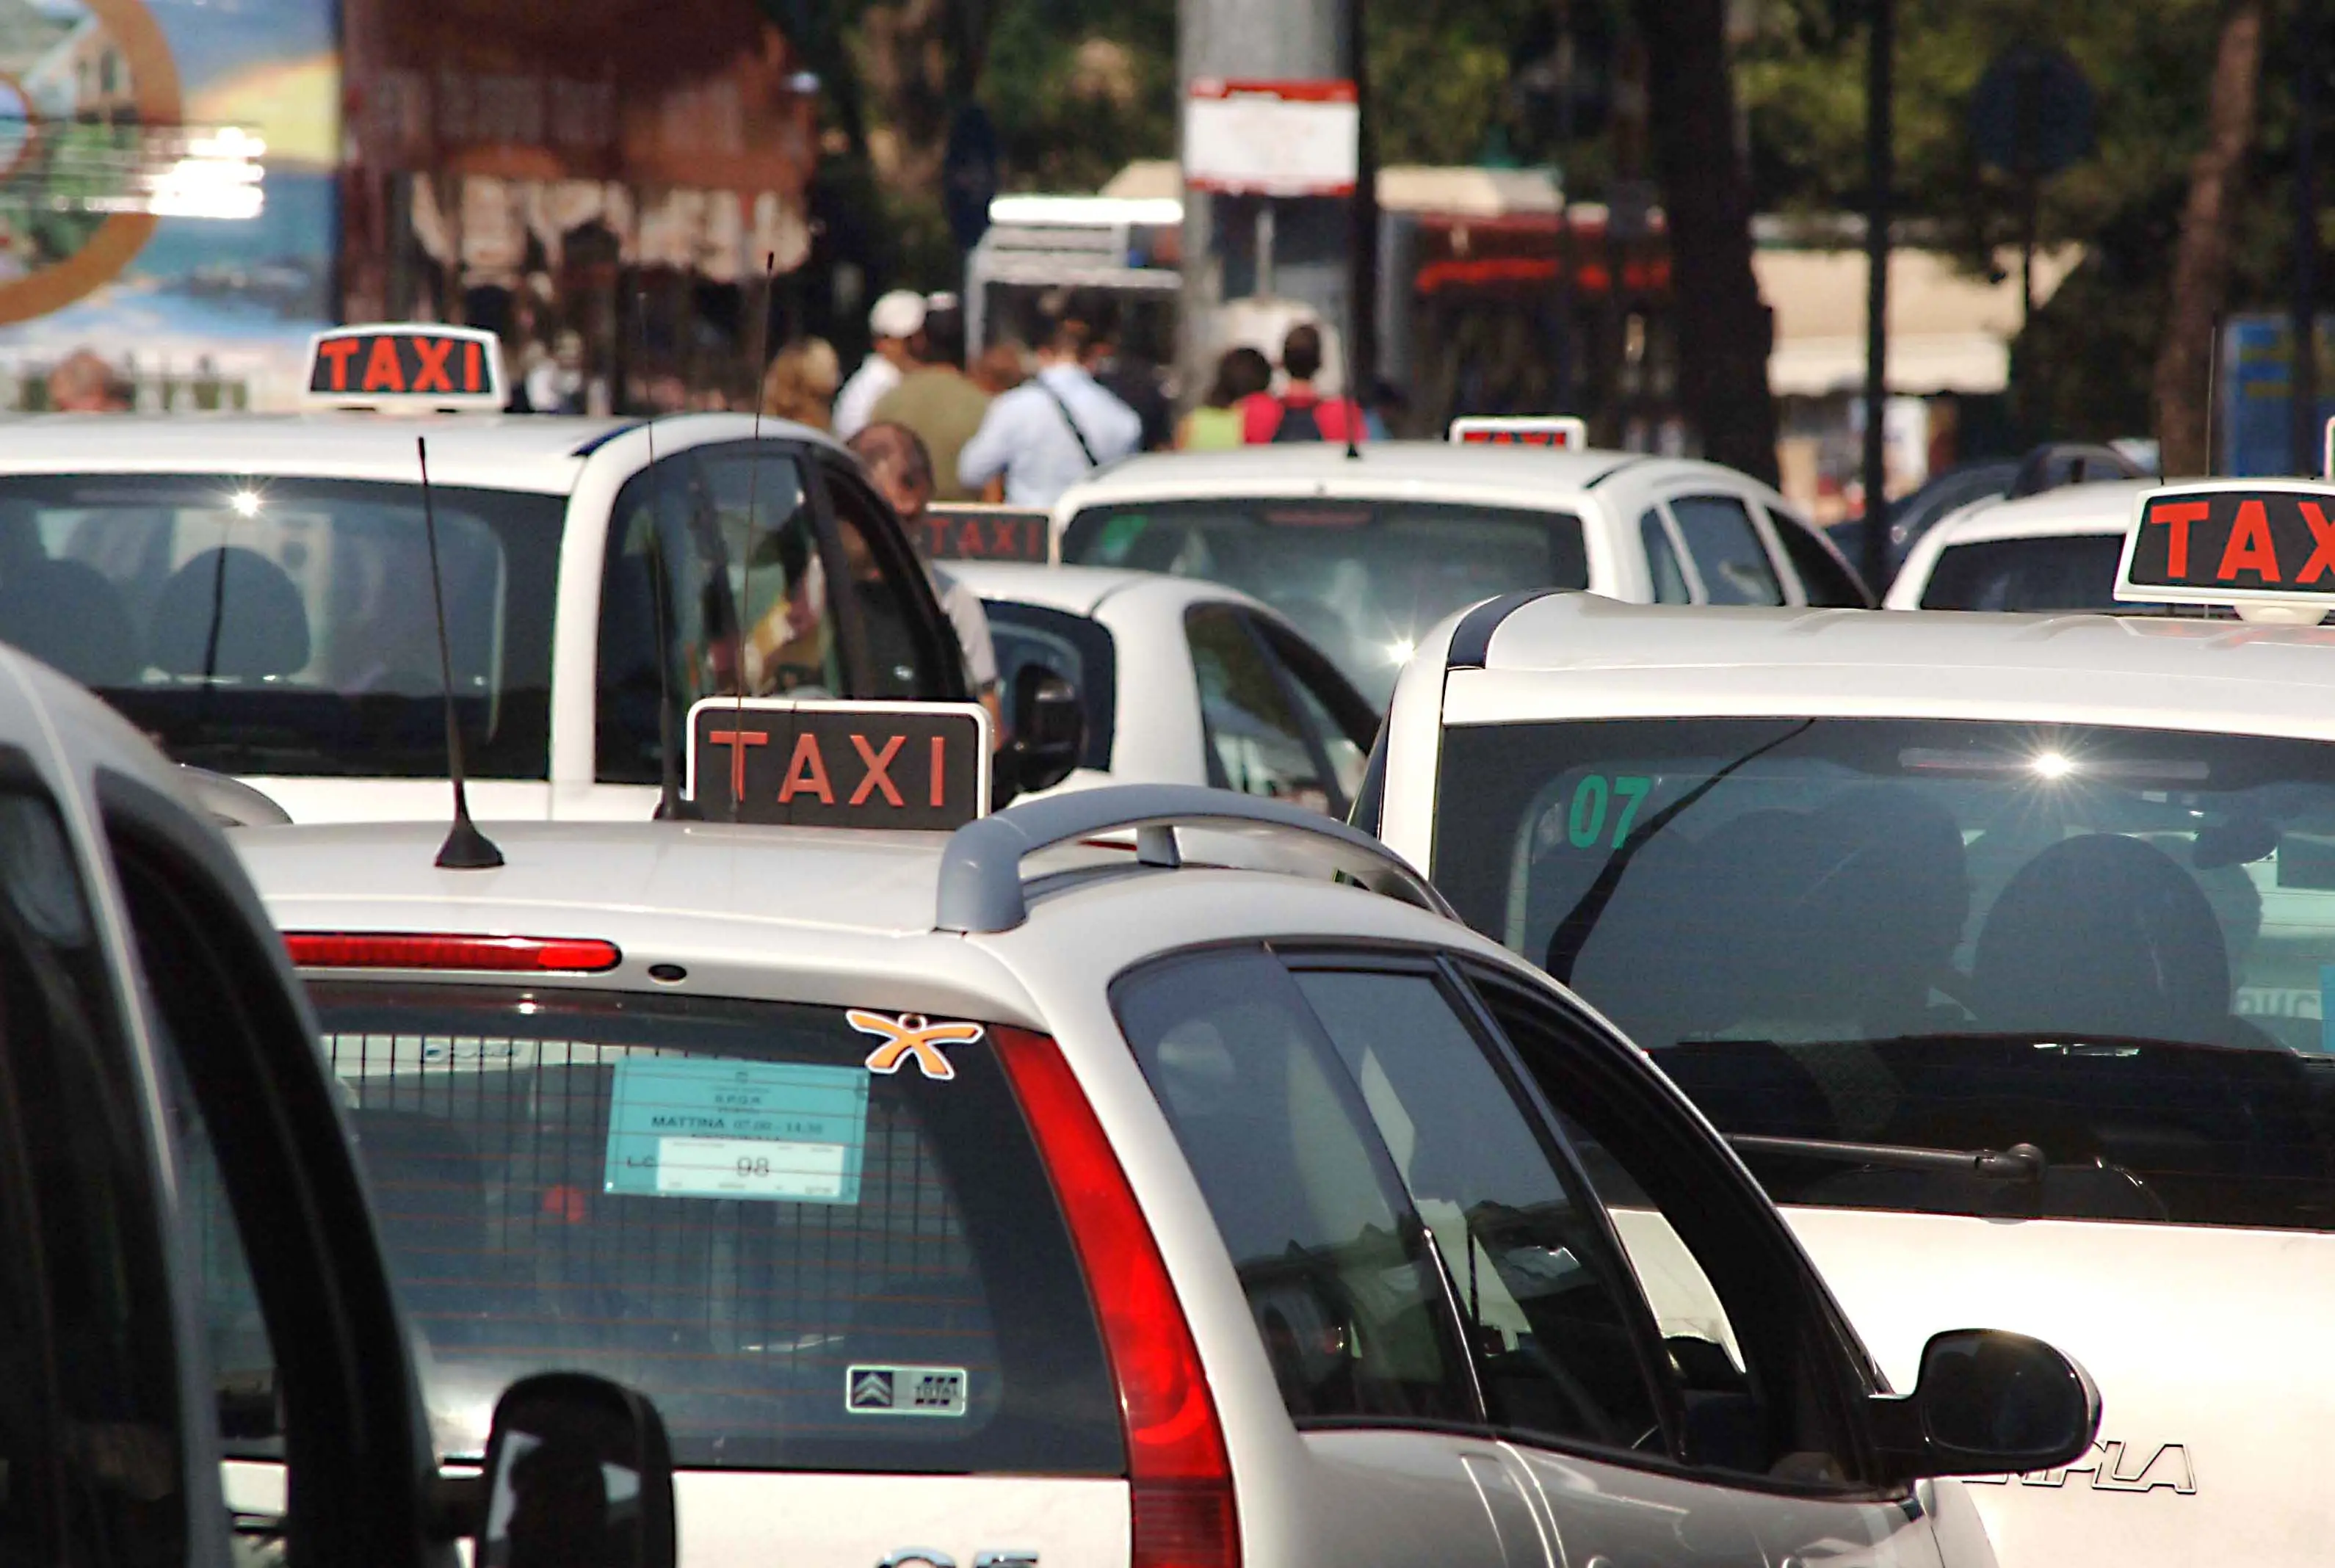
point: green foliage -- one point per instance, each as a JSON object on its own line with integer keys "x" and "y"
{"x": 1080, "y": 88}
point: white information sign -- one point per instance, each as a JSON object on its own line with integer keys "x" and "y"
{"x": 1272, "y": 138}
{"x": 749, "y": 1168}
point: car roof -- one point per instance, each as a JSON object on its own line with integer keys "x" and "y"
{"x": 531, "y": 452}
{"x": 2104, "y": 507}
{"x": 1532, "y": 477}
{"x": 1578, "y": 655}
{"x": 1081, "y": 590}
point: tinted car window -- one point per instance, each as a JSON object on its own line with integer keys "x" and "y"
{"x": 1725, "y": 543}
{"x": 1256, "y": 743}
{"x": 2075, "y": 572}
{"x": 664, "y": 595}
{"x": 285, "y": 625}
{"x": 1662, "y": 562}
{"x": 1341, "y": 723}
{"x": 561, "y": 1184}
{"x": 1078, "y": 650}
{"x": 1824, "y": 581}
{"x": 759, "y": 504}
{"x": 2110, "y": 943}
{"x": 1362, "y": 580}
{"x": 899, "y": 617}
{"x": 1338, "y": 1267}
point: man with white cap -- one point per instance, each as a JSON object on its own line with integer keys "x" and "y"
{"x": 894, "y": 324}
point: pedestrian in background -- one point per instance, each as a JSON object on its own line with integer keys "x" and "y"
{"x": 1128, "y": 376}
{"x": 83, "y": 384}
{"x": 1300, "y": 414}
{"x": 937, "y": 401}
{"x": 895, "y": 323}
{"x": 1052, "y": 431}
{"x": 1217, "y": 424}
{"x": 901, "y": 470}
{"x": 799, "y": 385}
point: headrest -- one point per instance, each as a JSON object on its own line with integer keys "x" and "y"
{"x": 261, "y": 624}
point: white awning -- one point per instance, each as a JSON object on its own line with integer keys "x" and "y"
{"x": 1949, "y": 331}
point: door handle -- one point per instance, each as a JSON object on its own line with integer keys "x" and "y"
{"x": 917, "y": 1557}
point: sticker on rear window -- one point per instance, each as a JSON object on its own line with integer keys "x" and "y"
{"x": 912, "y": 1037}
{"x": 706, "y": 1128}
{"x": 904, "y": 1391}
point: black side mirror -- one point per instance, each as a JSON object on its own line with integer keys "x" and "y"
{"x": 1990, "y": 1403}
{"x": 1049, "y": 728}
{"x": 578, "y": 1475}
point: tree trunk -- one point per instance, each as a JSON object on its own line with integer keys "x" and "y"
{"x": 1724, "y": 330}
{"x": 2201, "y": 267}
{"x": 909, "y": 50}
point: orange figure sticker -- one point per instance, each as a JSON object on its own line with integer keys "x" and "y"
{"x": 912, "y": 1036}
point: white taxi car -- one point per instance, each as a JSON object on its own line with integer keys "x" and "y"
{"x": 129, "y": 936}
{"x": 2002, "y": 948}
{"x": 986, "y": 1198}
{"x": 2054, "y": 551}
{"x": 1366, "y": 552}
{"x": 1180, "y": 681}
{"x": 252, "y": 592}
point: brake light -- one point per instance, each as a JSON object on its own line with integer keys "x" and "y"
{"x": 410, "y": 950}
{"x": 1179, "y": 1479}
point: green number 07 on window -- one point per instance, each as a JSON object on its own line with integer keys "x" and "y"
{"x": 1594, "y": 800}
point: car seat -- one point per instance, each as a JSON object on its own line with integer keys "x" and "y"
{"x": 67, "y": 615}
{"x": 229, "y": 614}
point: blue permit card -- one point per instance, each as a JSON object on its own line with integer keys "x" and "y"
{"x": 717, "y": 1127}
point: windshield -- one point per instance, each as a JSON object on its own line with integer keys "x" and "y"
{"x": 2113, "y": 945}
{"x": 285, "y": 625}
{"x": 804, "y": 1263}
{"x": 1364, "y": 580}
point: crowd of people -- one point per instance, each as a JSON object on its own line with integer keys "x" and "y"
{"x": 1021, "y": 425}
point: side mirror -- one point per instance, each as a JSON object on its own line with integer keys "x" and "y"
{"x": 1049, "y": 728}
{"x": 1990, "y": 1403}
{"x": 578, "y": 1475}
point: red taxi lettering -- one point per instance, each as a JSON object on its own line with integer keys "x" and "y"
{"x": 381, "y": 370}
{"x": 940, "y": 759}
{"x": 878, "y": 764}
{"x": 336, "y": 351}
{"x": 1002, "y": 540}
{"x": 2178, "y": 516}
{"x": 806, "y": 773}
{"x": 2322, "y": 543}
{"x": 2249, "y": 549}
{"x": 472, "y": 380}
{"x": 737, "y": 740}
{"x": 430, "y": 370}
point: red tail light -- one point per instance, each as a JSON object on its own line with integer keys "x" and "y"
{"x": 1180, "y": 1478}
{"x": 407, "y": 950}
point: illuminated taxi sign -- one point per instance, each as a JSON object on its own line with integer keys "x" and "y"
{"x": 2231, "y": 542}
{"x": 1561, "y": 431}
{"x": 828, "y": 764}
{"x": 966, "y": 531}
{"x": 417, "y": 367}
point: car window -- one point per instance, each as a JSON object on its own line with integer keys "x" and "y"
{"x": 897, "y": 607}
{"x": 90, "y": 1427}
{"x": 1824, "y": 581}
{"x": 285, "y": 625}
{"x": 758, "y": 500}
{"x": 1338, "y": 1266}
{"x": 1255, "y": 741}
{"x": 1662, "y": 562}
{"x": 2077, "y": 572}
{"x": 720, "y": 1205}
{"x": 1339, "y": 722}
{"x": 1078, "y": 650}
{"x": 665, "y": 584}
{"x": 1533, "y": 1274}
{"x": 1725, "y": 543}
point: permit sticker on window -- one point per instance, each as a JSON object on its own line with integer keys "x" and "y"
{"x": 685, "y": 1126}
{"x": 904, "y": 1390}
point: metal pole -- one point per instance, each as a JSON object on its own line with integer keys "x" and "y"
{"x": 2308, "y": 455}
{"x": 1880, "y": 174}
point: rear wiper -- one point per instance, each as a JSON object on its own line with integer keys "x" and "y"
{"x": 2021, "y": 1162}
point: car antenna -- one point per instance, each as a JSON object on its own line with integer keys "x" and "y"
{"x": 1352, "y": 414}
{"x": 669, "y": 802}
{"x": 466, "y": 848}
{"x": 753, "y": 476}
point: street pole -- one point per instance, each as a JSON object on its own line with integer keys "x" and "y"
{"x": 1880, "y": 172}
{"x": 2309, "y": 434}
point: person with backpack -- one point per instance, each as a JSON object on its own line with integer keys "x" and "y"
{"x": 1053, "y": 430}
{"x": 1300, "y": 414}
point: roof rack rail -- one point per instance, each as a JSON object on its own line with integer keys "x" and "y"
{"x": 980, "y": 870}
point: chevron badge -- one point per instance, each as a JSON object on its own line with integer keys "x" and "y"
{"x": 912, "y": 1036}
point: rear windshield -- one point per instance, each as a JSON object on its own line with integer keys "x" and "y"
{"x": 1363, "y": 579}
{"x": 284, "y": 625}
{"x": 1078, "y": 650}
{"x": 2078, "y": 572}
{"x": 2115, "y": 945}
{"x": 805, "y": 1264}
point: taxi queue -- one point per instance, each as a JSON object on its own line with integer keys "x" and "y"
{"x": 801, "y": 1149}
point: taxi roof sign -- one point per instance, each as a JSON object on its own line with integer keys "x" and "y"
{"x": 2232, "y": 542}
{"x": 1561, "y": 431}
{"x": 807, "y": 763}
{"x": 414, "y": 367}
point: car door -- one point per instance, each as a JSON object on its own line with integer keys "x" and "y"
{"x": 1763, "y": 1385}
{"x": 1729, "y": 553}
